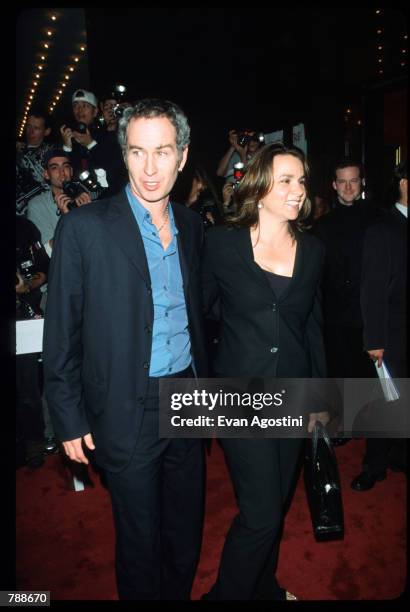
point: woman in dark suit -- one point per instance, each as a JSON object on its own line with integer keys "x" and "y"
{"x": 265, "y": 271}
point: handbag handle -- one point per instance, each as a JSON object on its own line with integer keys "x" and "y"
{"x": 320, "y": 430}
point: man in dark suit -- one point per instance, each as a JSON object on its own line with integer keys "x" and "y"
{"x": 383, "y": 303}
{"x": 342, "y": 231}
{"x": 123, "y": 311}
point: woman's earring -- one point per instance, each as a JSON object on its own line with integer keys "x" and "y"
{"x": 260, "y": 205}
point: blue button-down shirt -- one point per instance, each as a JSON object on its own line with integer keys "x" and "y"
{"x": 171, "y": 347}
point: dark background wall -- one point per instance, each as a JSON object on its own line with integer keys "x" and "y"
{"x": 230, "y": 67}
{"x": 226, "y": 68}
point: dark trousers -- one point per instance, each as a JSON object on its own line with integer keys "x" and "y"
{"x": 345, "y": 355}
{"x": 382, "y": 453}
{"x": 262, "y": 472}
{"x": 158, "y": 502}
{"x": 29, "y": 409}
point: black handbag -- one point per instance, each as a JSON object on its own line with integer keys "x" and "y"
{"x": 323, "y": 488}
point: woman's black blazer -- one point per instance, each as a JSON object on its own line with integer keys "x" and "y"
{"x": 261, "y": 334}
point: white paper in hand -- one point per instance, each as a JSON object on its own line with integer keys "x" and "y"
{"x": 390, "y": 391}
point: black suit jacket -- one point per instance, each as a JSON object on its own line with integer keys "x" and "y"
{"x": 254, "y": 321}
{"x": 383, "y": 290}
{"x": 99, "y": 321}
{"x": 342, "y": 232}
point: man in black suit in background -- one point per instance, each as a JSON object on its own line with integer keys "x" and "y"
{"x": 384, "y": 310}
{"x": 342, "y": 231}
{"x": 124, "y": 310}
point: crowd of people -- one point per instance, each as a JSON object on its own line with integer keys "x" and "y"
{"x": 145, "y": 267}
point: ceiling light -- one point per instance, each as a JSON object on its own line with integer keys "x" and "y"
{"x": 76, "y": 59}
{"x": 71, "y": 69}
{"x": 82, "y": 48}
{"x": 45, "y": 45}
{"x": 49, "y": 33}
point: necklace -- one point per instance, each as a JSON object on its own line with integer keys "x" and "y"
{"x": 165, "y": 219}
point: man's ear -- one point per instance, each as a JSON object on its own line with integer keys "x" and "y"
{"x": 46, "y": 174}
{"x": 95, "y": 112}
{"x": 334, "y": 185}
{"x": 47, "y": 132}
{"x": 183, "y": 159}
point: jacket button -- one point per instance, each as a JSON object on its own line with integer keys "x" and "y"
{"x": 145, "y": 365}
{"x": 274, "y": 307}
{"x": 148, "y": 329}
{"x": 274, "y": 349}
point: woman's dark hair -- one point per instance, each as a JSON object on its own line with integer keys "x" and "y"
{"x": 258, "y": 181}
{"x": 183, "y": 185}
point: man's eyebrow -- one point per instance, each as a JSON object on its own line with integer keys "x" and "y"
{"x": 166, "y": 146}
{"x": 52, "y": 166}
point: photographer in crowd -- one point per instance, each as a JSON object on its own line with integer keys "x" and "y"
{"x": 112, "y": 106}
{"x": 44, "y": 209}
{"x": 30, "y": 158}
{"x": 89, "y": 146}
{"x": 243, "y": 146}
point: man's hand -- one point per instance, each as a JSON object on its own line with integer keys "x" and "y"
{"x": 83, "y": 198}
{"x": 83, "y": 139}
{"x": 323, "y": 417}
{"x": 376, "y": 355}
{"x": 21, "y": 286}
{"x": 210, "y": 217}
{"x": 62, "y": 201}
{"x": 74, "y": 448}
{"x": 66, "y": 135}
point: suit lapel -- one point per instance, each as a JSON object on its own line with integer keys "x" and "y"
{"x": 123, "y": 227}
{"x": 243, "y": 246}
{"x": 185, "y": 244}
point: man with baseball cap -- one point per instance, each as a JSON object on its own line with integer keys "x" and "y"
{"x": 88, "y": 146}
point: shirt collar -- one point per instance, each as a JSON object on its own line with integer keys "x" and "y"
{"x": 402, "y": 209}
{"x": 142, "y": 215}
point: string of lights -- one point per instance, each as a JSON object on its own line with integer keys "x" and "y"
{"x": 391, "y": 43}
{"x": 48, "y": 34}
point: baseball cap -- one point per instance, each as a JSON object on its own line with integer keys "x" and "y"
{"x": 55, "y": 153}
{"x": 82, "y": 95}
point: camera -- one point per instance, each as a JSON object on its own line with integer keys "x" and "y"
{"x": 88, "y": 182}
{"x": 119, "y": 94}
{"x": 245, "y": 136}
{"x": 238, "y": 173}
{"x": 25, "y": 265}
{"x": 77, "y": 127}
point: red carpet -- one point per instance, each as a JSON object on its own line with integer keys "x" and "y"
{"x": 65, "y": 539}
